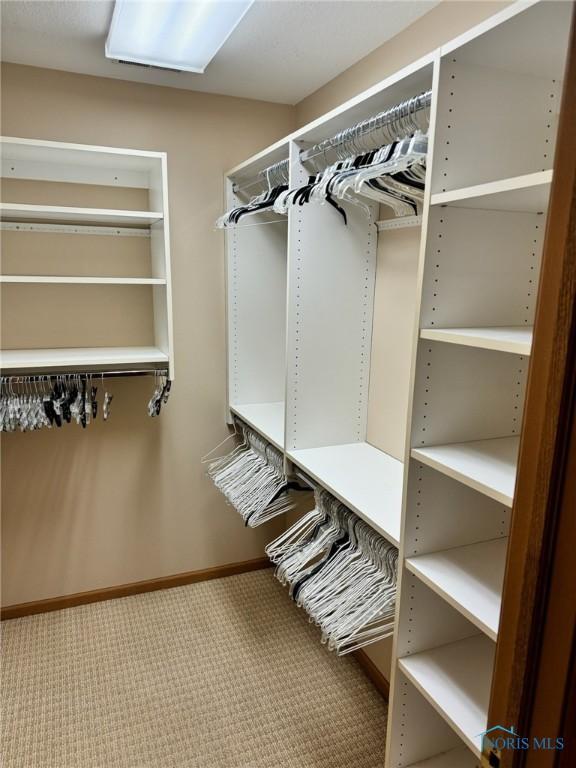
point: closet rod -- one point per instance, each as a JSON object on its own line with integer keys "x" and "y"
{"x": 393, "y": 118}
{"x": 280, "y": 169}
{"x": 16, "y": 378}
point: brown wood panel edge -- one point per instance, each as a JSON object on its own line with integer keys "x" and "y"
{"x": 136, "y": 588}
{"x": 373, "y": 673}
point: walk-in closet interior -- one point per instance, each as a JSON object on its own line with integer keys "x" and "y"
{"x": 277, "y": 301}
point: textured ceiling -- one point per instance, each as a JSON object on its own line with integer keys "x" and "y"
{"x": 282, "y": 50}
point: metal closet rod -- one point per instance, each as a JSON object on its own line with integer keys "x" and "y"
{"x": 375, "y": 123}
{"x": 20, "y": 377}
{"x": 261, "y": 175}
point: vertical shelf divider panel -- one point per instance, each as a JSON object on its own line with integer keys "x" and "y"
{"x": 421, "y": 732}
{"x": 332, "y": 268}
{"x": 256, "y": 259}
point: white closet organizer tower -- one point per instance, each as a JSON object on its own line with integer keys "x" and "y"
{"x": 86, "y": 258}
{"x": 320, "y": 324}
{"x": 499, "y": 89}
{"x": 390, "y": 363}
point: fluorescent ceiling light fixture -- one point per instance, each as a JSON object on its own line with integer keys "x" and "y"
{"x": 175, "y": 34}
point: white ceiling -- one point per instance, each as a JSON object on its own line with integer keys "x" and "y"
{"x": 282, "y": 50}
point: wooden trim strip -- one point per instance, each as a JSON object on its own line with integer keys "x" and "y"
{"x": 373, "y": 673}
{"x": 135, "y": 588}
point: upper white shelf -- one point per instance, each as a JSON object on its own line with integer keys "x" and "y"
{"x": 367, "y": 480}
{"x": 469, "y": 578}
{"x": 79, "y": 163}
{"x": 456, "y": 679}
{"x": 76, "y": 280}
{"x": 528, "y": 194}
{"x": 456, "y": 758}
{"x": 517, "y": 340}
{"x": 488, "y": 466}
{"x": 19, "y": 359}
{"x": 265, "y": 418}
{"x": 63, "y": 214}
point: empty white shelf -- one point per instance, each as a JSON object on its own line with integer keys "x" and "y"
{"x": 456, "y": 679}
{"x": 62, "y": 213}
{"x": 488, "y": 466}
{"x": 265, "y": 418}
{"x": 456, "y": 758}
{"x": 469, "y": 578}
{"x": 367, "y": 480}
{"x": 17, "y": 359}
{"x": 517, "y": 340}
{"x": 71, "y": 279}
{"x": 522, "y": 193}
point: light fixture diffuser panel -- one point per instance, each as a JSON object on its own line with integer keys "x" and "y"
{"x": 175, "y": 34}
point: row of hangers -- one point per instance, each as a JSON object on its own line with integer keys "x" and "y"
{"x": 276, "y": 179}
{"x": 383, "y": 159}
{"x": 341, "y": 572}
{"x": 337, "y": 567}
{"x": 29, "y": 403}
{"x": 252, "y": 478}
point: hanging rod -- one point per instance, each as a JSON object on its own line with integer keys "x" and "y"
{"x": 391, "y": 118}
{"x": 95, "y": 374}
{"x": 281, "y": 166}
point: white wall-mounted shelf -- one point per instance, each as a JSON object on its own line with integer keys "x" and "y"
{"x": 455, "y": 679}
{"x": 527, "y": 194}
{"x": 469, "y": 578}
{"x": 516, "y": 340}
{"x": 367, "y": 480}
{"x": 63, "y": 213}
{"x": 76, "y": 280}
{"x": 488, "y": 466}
{"x": 266, "y": 418}
{"x": 143, "y": 321}
{"x": 21, "y": 359}
{"x": 456, "y": 758}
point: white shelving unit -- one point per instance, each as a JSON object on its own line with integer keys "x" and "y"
{"x": 481, "y": 264}
{"x": 47, "y": 166}
{"x": 389, "y": 359}
{"x": 302, "y": 294}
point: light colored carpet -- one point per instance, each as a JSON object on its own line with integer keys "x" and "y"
{"x": 223, "y": 674}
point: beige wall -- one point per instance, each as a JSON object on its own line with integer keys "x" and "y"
{"x": 447, "y": 20}
{"x": 127, "y": 500}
